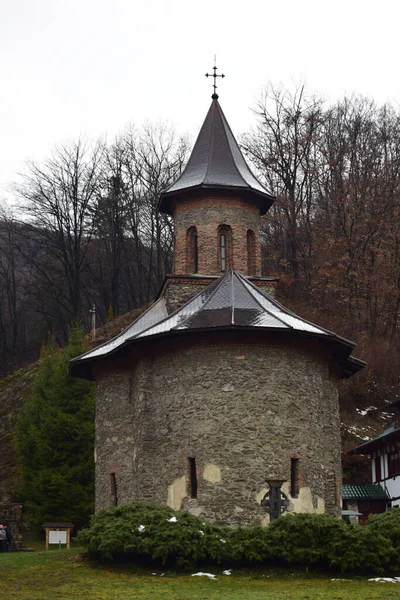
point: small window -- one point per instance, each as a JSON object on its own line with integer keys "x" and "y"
{"x": 224, "y": 247}
{"x": 192, "y": 251}
{"x": 114, "y": 491}
{"x": 222, "y": 241}
{"x": 192, "y": 477}
{"x": 294, "y": 477}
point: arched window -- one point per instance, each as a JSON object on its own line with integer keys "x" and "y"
{"x": 251, "y": 252}
{"x": 192, "y": 252}
{"x": 224, "y": 247}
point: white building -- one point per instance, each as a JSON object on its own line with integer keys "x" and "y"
{"x": 385, "y": 454}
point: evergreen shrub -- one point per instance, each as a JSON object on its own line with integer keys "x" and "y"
{"x": 145, "y": 532}
{"x": 304, "y": 539}
{"x": 386, "y": 524}
{"x": 358, "y": 549}
{"x": 250, "y": 545}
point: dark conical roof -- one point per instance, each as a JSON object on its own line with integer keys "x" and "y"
{"x": 216, "y": 162}
{"x": 231, "y": 302}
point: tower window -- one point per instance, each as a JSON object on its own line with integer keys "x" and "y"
{"x": 192, "y": 477}
{"x": 294, "y": 477}
{"x": 251, "y": 252}
{"x": 224, "y": 247}
{"x": 114, "y": 491}
{"x": 192, "y": 252}
{"x": 222, "y": 241}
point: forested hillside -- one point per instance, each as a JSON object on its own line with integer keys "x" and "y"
{"x": 88, "y": 233}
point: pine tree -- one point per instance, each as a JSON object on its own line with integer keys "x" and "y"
{"x": 56, "y": 441}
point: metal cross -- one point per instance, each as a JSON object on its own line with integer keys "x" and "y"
{"x": 215, "y": 95}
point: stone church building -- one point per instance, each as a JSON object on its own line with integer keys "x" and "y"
{"x": 217, "y": 387}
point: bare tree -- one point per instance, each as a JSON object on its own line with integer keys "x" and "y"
{"x": 283, "y": 150}
{"x": 59, "y": 197}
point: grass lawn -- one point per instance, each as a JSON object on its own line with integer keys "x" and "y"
{"x": 64, "y": 575}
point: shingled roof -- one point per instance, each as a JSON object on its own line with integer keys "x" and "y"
{"x": 367, "y": 491}
{"x": 231, "y": 302}
{"x": 390, "y": 435}
{"x": 216, "y": 162}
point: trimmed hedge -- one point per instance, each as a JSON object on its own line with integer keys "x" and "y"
{"x": 146, "y": 533}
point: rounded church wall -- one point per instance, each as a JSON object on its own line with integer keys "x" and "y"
{"x": 208, "y": 212}
{"x": 202, "y": 426}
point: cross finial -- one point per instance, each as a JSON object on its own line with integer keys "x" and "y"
{"x": 215, "y": 95}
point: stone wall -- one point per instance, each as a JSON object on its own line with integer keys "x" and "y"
{"x": 242, "y": 408}
{"x": 207, "y": 211}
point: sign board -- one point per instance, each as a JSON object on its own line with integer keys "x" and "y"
{"x": 56, "y": 537}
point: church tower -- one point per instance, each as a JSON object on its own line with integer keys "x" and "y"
{"x": 216, "y": 205}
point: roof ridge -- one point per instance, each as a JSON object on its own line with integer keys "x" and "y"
{"x": 228, "y": 127}
{"x": 225, "y": 125}
{"x": 219, "y": 281}
{"x": 210, "y": 150}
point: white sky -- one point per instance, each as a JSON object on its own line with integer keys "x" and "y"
{"x": 72, "y": 67}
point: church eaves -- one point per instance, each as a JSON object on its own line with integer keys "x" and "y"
{"x": 216, "y": 162}
{"x": 231, "y": 302}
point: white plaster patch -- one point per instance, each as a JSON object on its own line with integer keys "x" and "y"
{"x": 260, "y": 495}
{"x": 176, "y": 493}
{"x": 212, "y": 473}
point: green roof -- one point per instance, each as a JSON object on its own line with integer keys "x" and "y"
{"x": 363, "y": 492}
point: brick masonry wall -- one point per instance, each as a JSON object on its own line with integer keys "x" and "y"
{"x": 207, "y": 211}
{"x": 241, "y": 407}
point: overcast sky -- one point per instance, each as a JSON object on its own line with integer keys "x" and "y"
{"x": 74, "y": 67}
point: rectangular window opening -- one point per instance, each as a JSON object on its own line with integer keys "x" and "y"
{"x": 114, "y": 490}
{"x": 196, "y": 255}
{"x": 192, "y": 477}
{"x": 294, "y": 477}
{"x": 223, "y": 251}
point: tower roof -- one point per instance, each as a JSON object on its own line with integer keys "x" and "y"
{"x": 216, "y": 162}
{"x": 231, "y": 302}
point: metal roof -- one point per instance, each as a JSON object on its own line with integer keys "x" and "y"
{"x": 231, "y": 302}
{"x": 363, "y": 492}
{"x": 216, "y": 162}
{"x": 390, "y": 434}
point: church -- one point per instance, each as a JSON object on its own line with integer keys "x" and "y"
{"x": 217, "y": 387}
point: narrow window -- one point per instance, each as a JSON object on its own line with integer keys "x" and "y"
{"x": 195, "y": 254}
{"x": 251, "y": 252}
{"x": 192, "y": 252}
{"x": 114, "y": 491}
{"x": 192, "y": 477}
{"x": 294, "y": 477}
{"x": 222, "y": 243}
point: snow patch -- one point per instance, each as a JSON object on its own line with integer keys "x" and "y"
{"x": 386, "y": 579}
{"x": 200, "y": 574}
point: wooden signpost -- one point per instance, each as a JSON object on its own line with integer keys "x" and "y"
{"x": 58, "y": 533}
